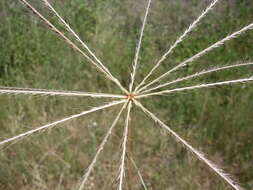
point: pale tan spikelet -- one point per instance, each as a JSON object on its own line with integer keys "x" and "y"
{"x": 200, "y": 54}
{"x": 177, "y": 42}
{"x": 68, "y": 41}
{"x": 198, "y": 74}
{"x": 197, "y": 87}
{"x": 137, "y": 51}
{"x": 101, "y": 147}
{"x": 190, "y": 148}
{"x": 51, "y": 125}
{"x": 83, "y": 44}
{"x": 124, "y": 148}
{"x": 46, "y": 92}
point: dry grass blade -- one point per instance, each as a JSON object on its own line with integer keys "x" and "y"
{"x": 81, "y": 42}
{"x": 46, "y": 92}
{"x": 198, "y": 74}
{"x": 137, "y": 52}
{"x": 68, "y": 41}
{"x": 178, "y": 41}
{"x": 74, "y": 33}
{"x": 101, "y": 147}
{"x": 124, "y": 148}
{"x": 199, "y": 155}
{"x": 139, "y": 174}
{"x": 197, "y": 87}
{"x": 203, "y": 52}
{"x": 51, "y": 125}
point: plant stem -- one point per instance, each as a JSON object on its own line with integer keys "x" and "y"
{"x": 129, "y": 155}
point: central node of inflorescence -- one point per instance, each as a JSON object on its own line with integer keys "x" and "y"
{"x": 131, "y": 96}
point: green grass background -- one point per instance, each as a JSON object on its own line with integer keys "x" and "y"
{"x": 217, "y": 121}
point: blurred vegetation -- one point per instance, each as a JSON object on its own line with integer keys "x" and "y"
{"x": 217, "y": 121}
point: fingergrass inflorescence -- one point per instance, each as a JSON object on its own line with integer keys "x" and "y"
{"x": 133, "y": 94}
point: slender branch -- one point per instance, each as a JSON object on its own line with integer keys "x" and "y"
{"x": 124, "y": 148}
{"x": 51, "y": 125}
{"x": 50, "y": 7}
{"x": 137, "y": 51}
{"x": 208, "y": 85}
{"x": 198, "y": 74}
{"x": 129, "y": 155}
{"x": 139, "y": 174}
{"x": 178, "y": 41}
{"x": 68, "y": 41}
{"x": 198, "y": 154}
{"x": 58, "y": 32}
{"x": 101, "y": 147}
{"x": 203, "y": 52}
{"x": 46, "y": 92}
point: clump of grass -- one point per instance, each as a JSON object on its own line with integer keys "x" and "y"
{"x": 130, "y": 95}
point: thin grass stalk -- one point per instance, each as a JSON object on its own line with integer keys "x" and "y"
{"x": 200, "y": 54}
{"x": 51, "y": 125}
{"x": 198, "y": 154}
{"x": 58, "y": 32}
{"x": 79, "y": 39}
{"x": 101, "y": 147}
{"x": 124, "y": 148}
{"x": 137, "y": 51}
{"x": 198, "y": 74}
{"x": 129, "y": 155}
{"x": 68, "y": 41}
{"x": 178, "y": 41}
{"x": 46, "y": 92}
{"x": 208, "y": 85}
{"x": 139, "y": 174}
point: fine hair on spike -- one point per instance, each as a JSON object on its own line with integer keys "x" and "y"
{"x": 199, "y": 155}
{"x": 137, "y": 51}
{"x": 198, "y": 74}
{"x": 101, "y": 147}
{"x": 178, "y": 41}
{"x": 124, "y": 148}
{"x": 45, "y": 92}
{"x": 200, "y": 54}
{"x": 68, "y": 41}
{"x": 53, "y": 124}
{"x": 229, "y": 82}
{"x": 83, "y": 44}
